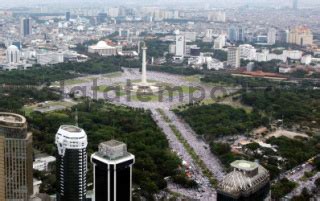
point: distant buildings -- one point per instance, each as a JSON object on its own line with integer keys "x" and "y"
{"x": 233, "y": 57}
{"x": 247, "y": 181}
{"x": 103, "y": 49}
{"x": 219, "y": 42}
{"x": 102, "y": 18}
{"x": 217, "y": 16}
{"x": 301, "y": 36}
{"x": 47, "y": 58}
{"x": 247, "y": 52}
{"x": 43, "y": 163}
{"x": 283, "y": 36}
{"x": 71, "y": 163}
{"x": 195, "y": 51}
{"x": 295, "y": 4}
{"x": 189, "y": 36}
{"x": 68, "y": 16}
{"x": 265, "y": 55}
{"x": 180, "y": 45}
{"x": 236, "y": 33}
{"x": 25, "y": 27}
{"x": 112, "y": 166}
{"x": 199, "y": 62}
{"x": 16, "y": 181}
{"x": 272, "y": 36}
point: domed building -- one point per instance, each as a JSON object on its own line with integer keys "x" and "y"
{"x": 103, "y": 49}
{"x": 13, "y": 54}
{"x": 248, "y": 181}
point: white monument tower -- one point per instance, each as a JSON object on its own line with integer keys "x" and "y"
{"x": 144, "y": 65}
{"x": 144, "y": 86}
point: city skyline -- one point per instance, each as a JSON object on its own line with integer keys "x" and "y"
{"x": 213, "y": 3}
{"x": 159, "y": 100}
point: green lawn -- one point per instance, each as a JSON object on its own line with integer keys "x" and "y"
{"x": 193, "y": 78}
{"x": 112, "y": 75}
{"x": 74, "y": 81}
{"x": 30, "y": 108}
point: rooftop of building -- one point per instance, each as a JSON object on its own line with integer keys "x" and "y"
{"x": 244, "y": 165}
{"x": 71, "y": 132}
{"x": 113, "y": 150}
{"x": 112, "y": 143}
{"x": 12, "y": 120}
{"x": 71, "y": 129}
{"x": 102, "y": 45}
{"x": 247, "y": 177}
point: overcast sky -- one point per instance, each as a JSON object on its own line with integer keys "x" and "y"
{"x": 218, "y": 3}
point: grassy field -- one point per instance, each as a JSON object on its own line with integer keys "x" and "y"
{"x": 112, "y": 75}
{"x": 193, "y": 78}
{"x": 30, "y": 108}
{"x": 75, "y": 81}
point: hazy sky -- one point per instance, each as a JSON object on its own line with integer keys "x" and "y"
{"x": 227, "y": 3}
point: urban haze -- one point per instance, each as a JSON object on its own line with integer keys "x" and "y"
{"x": 169, "y": 100}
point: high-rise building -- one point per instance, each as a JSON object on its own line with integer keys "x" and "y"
{"x": 301, "y": 36}
{"x": 68, "y": 16}
{"x": 233, "y": 57}
{"x": 72, "y": 144}
{"x": 112, "y": 167}
{"x": 272, "y": 36}
{"x": 247, "y": 181}
{"x": 219, "y": 42}
{"x": 233, "y": 34}
{"x": 247, "y": 52}
{"x": 180, "y": 45}
{"x": 242, "y": 34}
{"x": 13, "y": 54}
{"x": 236, "y": 34}
{"x": 283, "y": 36}
{"x": 25, "y": 27}
{"x": 295, "y": 4}
{"x": 102, "y": 18}
{"x": 16, "y": 180}
{"x": 114, "y": 12}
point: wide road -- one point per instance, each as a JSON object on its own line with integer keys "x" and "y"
{"x": 201, "y": 148}
{"x": 205, "y": 191}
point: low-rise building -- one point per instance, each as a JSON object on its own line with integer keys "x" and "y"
{"x": 43, "y": 163}
{"x": 49, "y": 58}
{"x": 103, "y": 49}
{"x": 247, "y": 181}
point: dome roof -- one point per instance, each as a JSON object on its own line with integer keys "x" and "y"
{"x": 13, "y": 47}
{"x": 102, "y": 44}
{"x": 237, "y": 182}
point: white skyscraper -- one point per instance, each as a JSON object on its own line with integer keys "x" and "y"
{"x": 233, "y": 57}
{"x": 13, "y": 54}
{"x": 272, "y": 36}
{"x": 180, "y": 45}
{"x": 219, "y": 42}
{"x": 72, "y": 144}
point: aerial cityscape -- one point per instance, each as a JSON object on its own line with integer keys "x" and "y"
{"x": 215, "y": 100}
